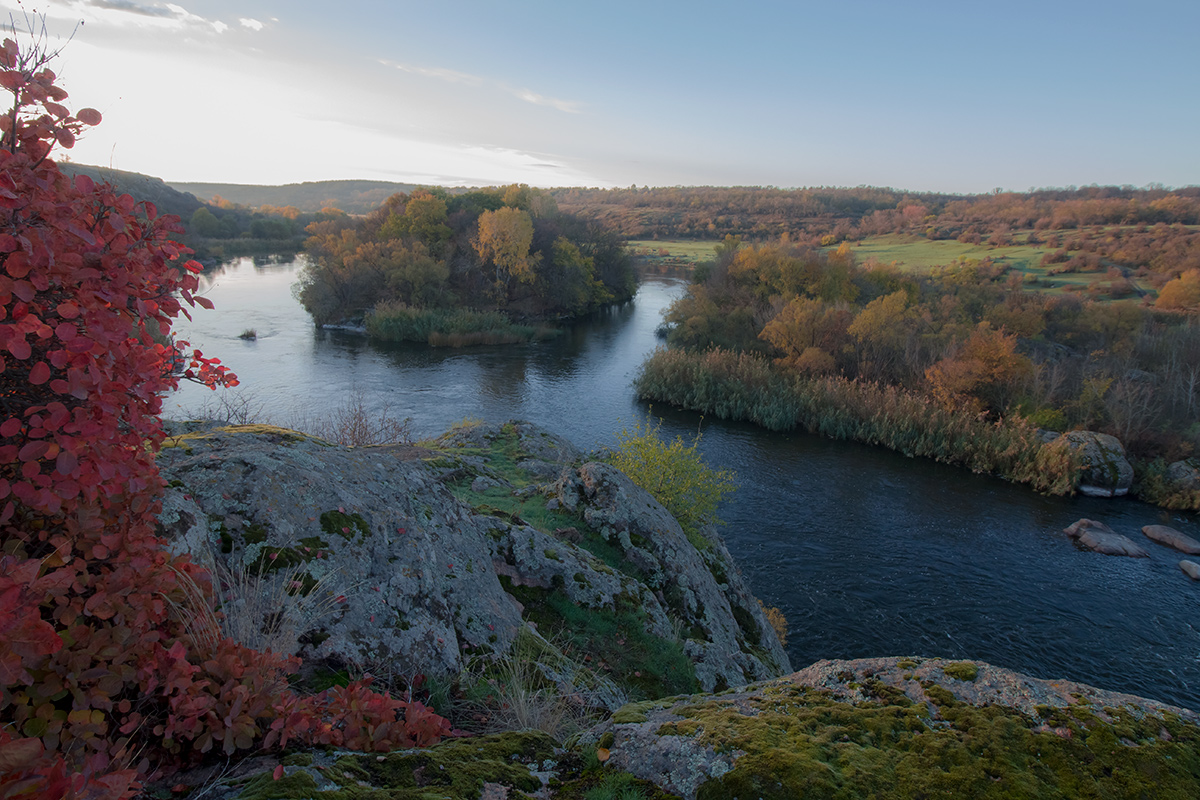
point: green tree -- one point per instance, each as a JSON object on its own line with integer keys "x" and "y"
{"x": 206, "y": 224}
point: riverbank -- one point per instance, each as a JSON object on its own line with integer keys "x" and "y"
{"x": 745, "y": 387}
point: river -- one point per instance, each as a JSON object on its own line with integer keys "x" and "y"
{"x": 866, "y": 552}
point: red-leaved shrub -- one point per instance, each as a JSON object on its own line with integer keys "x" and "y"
{"x": 101, "y": 684}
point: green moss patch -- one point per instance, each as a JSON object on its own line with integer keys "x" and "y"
{"x": 797, "y": 742}
{"x": 962, "y": 670}
{"x": 339, "y": 523}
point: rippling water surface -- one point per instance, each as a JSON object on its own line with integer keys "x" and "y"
{"x": 866, "y": 552}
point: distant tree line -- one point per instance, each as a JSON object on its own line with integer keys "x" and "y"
{"x": 755, "y": 212}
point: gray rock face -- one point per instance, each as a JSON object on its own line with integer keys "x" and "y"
{"x": 1185, "y": 474}
{"x": 1103, "y": 539}
{"x": 1191, "y": 569}
{"x": 417, "y": 579}
{"x": 1170, "y": 537}
{"x": 1105, "y": 472}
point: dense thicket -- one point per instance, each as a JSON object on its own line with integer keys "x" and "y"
{"x": 410, "y": 263}
{"x": 968, "y": 338}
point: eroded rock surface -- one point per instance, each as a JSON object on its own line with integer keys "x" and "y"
{"x": 1166, "y": 535}
{"x": 1099, "y": 537}
{"x": 422, "y": 557}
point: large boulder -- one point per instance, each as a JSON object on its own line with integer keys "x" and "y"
{"x": 1099, "y": 537}
{"x": 1185, "y": 475}
{"x": 1104, "y": 470}
{"x": 1166, "y": 535}
{"x": 908, "y": 727}
{"x": 401, "y": 559}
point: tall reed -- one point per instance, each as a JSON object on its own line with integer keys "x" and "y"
{"x": 740, "y": 386}
{"x": 441, "y": 327}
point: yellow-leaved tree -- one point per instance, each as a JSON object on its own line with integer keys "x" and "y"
{"x": 675, "y": 474}
{"x": 504, "y": 238}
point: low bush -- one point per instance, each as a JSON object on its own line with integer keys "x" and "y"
{"x": 675, "y": 473}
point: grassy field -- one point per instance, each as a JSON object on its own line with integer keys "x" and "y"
{"x": 910, "y": 253}
{"x": 671, "y": 255}
{"x": 917, "y": 254}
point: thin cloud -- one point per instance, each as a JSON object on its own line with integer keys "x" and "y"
{"x": 541, "y": 100}
{"x": 453, "y": 76}
{"x": 252, "y": 24}
{"x": 131, "y": 12}
{"x": 131, "y": 7}
{"x": 449, "y": 75}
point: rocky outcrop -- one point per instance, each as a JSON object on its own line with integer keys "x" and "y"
{"x": 1099, "y": 537}
{"x": 1170, "y": 537}
{"x": 1104, "y": 470}
{"x": 1185, "y": 475}
{"x": 911, "y": 727}
{"x": 418, "y": 559}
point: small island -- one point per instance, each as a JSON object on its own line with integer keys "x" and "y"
{"x": 491, "y": 266}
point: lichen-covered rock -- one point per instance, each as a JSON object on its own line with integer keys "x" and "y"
{"x": 910, "y": 727}
{"x": 1185, "y": 475}
{"x": 420, "y": 558}
{"x": 1104, "y": 470}
{"x": 1099, "y": 537}
{"x": 1166, "y": 535}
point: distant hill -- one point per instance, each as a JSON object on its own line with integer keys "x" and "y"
{"x": 141, "y": 187}
{"x": 353, "y": 197}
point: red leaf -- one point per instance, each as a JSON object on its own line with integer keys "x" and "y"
{"x": 88, "y": 116}
{"x": 39, "y": 374}
{"x": 19, "y": 348}
{"x": 32, "y": 451}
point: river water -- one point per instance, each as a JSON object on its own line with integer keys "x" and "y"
{"x": 866, "y": 552}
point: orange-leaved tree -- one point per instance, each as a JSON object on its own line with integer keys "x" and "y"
{"x": 102, "y": 680}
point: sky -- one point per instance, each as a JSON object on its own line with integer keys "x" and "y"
{"x": 955, "y": 96}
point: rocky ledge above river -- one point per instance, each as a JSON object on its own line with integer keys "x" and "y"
{"x": 406, "y": 560}
{"x": 420, "y": 559}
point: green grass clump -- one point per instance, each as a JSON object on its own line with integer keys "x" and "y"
{"x": 616, "y": 640}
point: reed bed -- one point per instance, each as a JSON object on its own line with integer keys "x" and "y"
{"x": 745, "y": 387}
{"x": 439, "y": 327}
